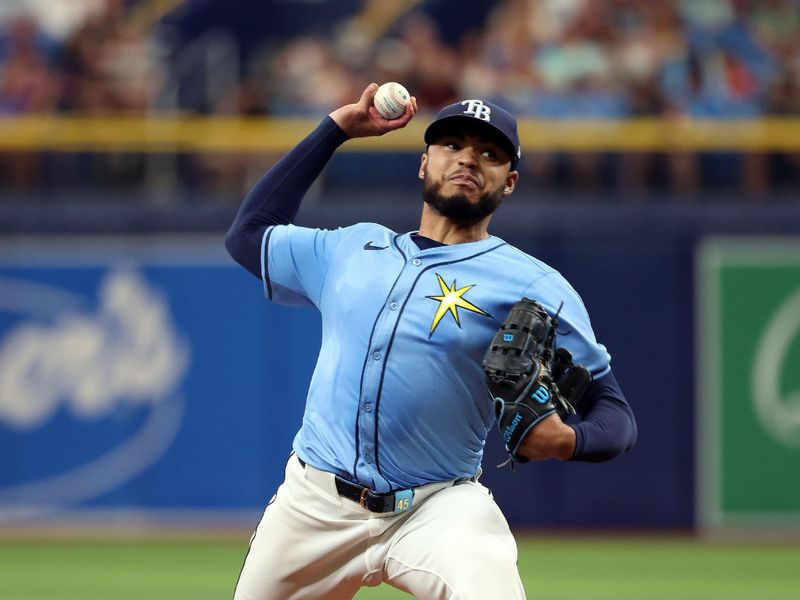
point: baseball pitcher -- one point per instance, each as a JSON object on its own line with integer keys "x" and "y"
{"x": 430, "y": 340}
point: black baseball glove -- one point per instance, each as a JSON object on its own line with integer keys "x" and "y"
{"x": 528, "y": 378}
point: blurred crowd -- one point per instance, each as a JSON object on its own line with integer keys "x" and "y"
{"x": 569, "y": 59}
{"x": 105, "y": 64}
{"x": 553, "y": 59}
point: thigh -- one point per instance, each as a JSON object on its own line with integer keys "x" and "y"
{"x": 457, "y": 545}
{"x": 304, "y": 547}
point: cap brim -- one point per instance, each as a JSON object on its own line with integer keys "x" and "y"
{"x": 447, "y": 125}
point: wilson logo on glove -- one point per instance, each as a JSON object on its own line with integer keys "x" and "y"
{"x": 509, "y": 431}
{"x": 541, "y": 395}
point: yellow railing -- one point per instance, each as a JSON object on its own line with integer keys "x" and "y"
{"x": 251, "y": 135}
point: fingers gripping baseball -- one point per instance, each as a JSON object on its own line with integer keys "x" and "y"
{"x": 361, "y": 119}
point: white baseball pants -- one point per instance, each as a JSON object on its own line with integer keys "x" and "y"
{"x": 454, "y": 543}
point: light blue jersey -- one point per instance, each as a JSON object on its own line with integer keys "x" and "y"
{"x": 398, "y": 397}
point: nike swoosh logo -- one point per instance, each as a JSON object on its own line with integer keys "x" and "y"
{"x": 369, "y": 246}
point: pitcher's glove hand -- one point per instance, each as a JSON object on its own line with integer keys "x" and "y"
{"x": 528, "y": 378}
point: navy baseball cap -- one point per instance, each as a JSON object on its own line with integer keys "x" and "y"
{"x": 501, "y": 124}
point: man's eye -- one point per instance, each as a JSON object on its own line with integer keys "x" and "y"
{"x": 491, "y": 154}
{"x": 452, "y": 145}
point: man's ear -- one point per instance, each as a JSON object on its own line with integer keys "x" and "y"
{"x": 511, "y": 182}
{"x": 423, "y": 161}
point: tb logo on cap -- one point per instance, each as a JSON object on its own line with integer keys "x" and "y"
{"x": 477, "y": 109}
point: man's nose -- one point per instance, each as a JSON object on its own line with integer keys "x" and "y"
{"x": 468, "y": 156}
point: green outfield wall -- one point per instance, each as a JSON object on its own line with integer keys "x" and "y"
{"x": 749, "y": 374}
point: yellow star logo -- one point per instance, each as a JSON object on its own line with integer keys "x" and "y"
{"x": 450, "y": 301}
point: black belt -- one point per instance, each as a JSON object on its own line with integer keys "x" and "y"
{"x": 397, "y": 501}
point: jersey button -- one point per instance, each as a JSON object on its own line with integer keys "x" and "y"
{"x": 367, "y": 407}
{"x": 376, "y": 355}
{"x": 416, "y": 262}
{"x": 393, "y": 305}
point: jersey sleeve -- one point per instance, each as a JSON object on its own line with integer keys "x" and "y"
{"x": 294, "y": 262}
{"x": 574, "y": 331}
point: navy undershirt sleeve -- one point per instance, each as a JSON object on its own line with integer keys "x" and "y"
{"x": 276, "y": 197}
{"x": 607, "y": 427}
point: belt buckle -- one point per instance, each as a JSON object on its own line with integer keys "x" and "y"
{"x": 362, "y": 499}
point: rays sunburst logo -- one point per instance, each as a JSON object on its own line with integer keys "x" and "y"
{"x": 451, "y": 299}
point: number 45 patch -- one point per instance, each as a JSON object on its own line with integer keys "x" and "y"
{"x": 402, "y": 500}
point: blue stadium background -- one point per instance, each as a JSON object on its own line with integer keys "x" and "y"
{"x": 622, "y": 225}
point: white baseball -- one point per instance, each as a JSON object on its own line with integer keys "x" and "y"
{"x": 390, "y": 100}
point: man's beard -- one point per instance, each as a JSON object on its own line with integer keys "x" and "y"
{"x": 458, "y": 207}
